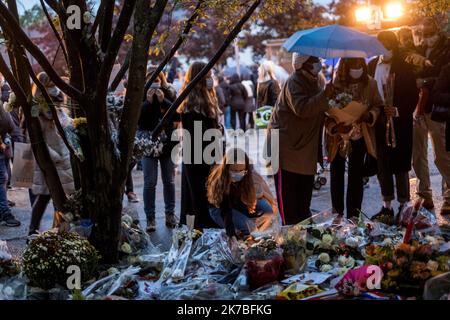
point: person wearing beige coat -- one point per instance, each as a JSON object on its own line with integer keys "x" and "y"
{"x": 352, "y": 77}
{"x": 58, "y": 152}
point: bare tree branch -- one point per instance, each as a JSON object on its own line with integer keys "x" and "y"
{"x": 114, "y": 46}
{"x": 55, "y": 31}
{"x": 229, "y": 39}
{"x": 189, "y": 24}
{"x": 11, "y": 25}
{"x": 99, "y": 16}
{"x": 146, "y": 21}
{"x": 106, "y": 25}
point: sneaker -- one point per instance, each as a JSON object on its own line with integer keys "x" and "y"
{"x": 9, "y": 220}
{"x": 428, "y": 204}
{"x": 11, "y": 203}
{"x": 385, "y": 216}
{"x": 171, "y": 221}
{"x": 445, "y": 210}
{"x": 132, "y": 197}
{"x": 151, "y": 225}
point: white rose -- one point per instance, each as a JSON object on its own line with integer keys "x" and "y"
{"x": 386, "y": 242}
{"x": 324, "y": 257}
{"x": 342, "y": 260}
{"x": 327, "y": 239}
{"x": 326, "y": 268}
{"x": 128, "y": 220}
{"x": 342, "y": 271}
{"x": 87, "y": 17}
{"x": 350, "y": 262}
{"x": 113, "y": 270}
{"x": 352, "y": 242}
{"x": 432, "y": 265}
{"x": 8, "y": 291}
{"x": 126, "y": 248}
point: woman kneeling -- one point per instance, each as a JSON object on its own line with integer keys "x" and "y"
{"x": 240, "y": 199}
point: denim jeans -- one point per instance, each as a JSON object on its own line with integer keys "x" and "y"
{"x": 150, "y": 169}
{"x": 245, "y": 224}
{"x": 4, "y": 208}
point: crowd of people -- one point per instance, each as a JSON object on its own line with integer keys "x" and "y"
{"x": 401, "y": 93}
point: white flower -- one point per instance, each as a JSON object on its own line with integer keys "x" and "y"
{"x": 326, "y": 268}
{"x": 350, "y": 262}
{"x": 432, "y": 265}
{"x": 342, "y": 271}
{"x": 87, "y": 17}
{"x": 113, "y": 270}
{"x": 327, "y": 239}
{"x": 8, "y": 291}
{"x": 324, "y": 257}
{"x": 342, "y": 260}
{"x": 126, "y": 248}
{"x": 386, "y": 242}
{"x": 352, "y": 242}
{"x": 128, "y": 220}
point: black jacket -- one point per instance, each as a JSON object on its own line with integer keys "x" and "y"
{"x": 406, "y": 95}
{"x": 152, "y": 113}
{"x": 267, "y": 94}
{"x": 237, "y": 94}
{"x": 441, "y": 97}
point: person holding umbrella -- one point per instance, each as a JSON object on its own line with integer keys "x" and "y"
{"x": 299, "y": 116}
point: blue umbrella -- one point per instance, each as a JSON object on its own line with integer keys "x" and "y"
{"x": 334, "y": 41}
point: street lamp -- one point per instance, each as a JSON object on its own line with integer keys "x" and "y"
{"x": 394, "y": 10}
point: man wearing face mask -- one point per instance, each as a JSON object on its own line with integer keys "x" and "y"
{"x": 436, "y": 48}
{"x": 394, "y": 152}
{"x": 299, "y": 116}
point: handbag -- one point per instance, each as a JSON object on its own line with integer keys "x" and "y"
{"x": 440, "y": 113}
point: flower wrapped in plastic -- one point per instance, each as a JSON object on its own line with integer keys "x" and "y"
{"x": 212, "y": 253}
{"x": 8, "y": 267}
{"x": 74, "y": 140}
{"x": 133, "y": 238}
{"x": 200, "y": 288}
{"x": 178, "y": 256}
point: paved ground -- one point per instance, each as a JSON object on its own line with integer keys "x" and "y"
{"x": 16, "y": 237}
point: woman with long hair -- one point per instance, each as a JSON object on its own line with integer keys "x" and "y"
{"x": 352, "y": 78}
{"x": 159, "y": 98}
{"x": 199, "y": 113}
{"x": 58, "y": 152}
{"x": 268, "y": 86}
{"x": 240, "y": 199}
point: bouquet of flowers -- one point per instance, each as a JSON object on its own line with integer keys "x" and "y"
{"x": 407, "y": 266}
{"x": 341, "y": 100}
{"x": 47, "y": 257}
{"x": 133, "y": 238}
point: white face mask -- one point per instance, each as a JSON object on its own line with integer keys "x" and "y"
{"x": 388, "y": 57}
{"x": 356, "y": 73}
{"x": 210, "y": 83}
{"x": 237, "y": 176}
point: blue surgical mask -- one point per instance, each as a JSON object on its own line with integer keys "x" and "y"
{"x": 237, "y": 176}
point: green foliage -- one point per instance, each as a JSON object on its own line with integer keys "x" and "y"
{"x": 34, "y": 15}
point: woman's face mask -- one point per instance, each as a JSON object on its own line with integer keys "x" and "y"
{"x": 356, "y": 73}
{"x": 237, "y": 176}
{"x": 209, "y": 83}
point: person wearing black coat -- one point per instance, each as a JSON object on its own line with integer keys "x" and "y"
{"x": 199, "y": 113}
{"x": 441, "y": 97}
{"x": 159, "y": 98}
{"x": 394, "y": 160}
{"x": 268, "y": 87}
{"x": 237, "y": 95}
